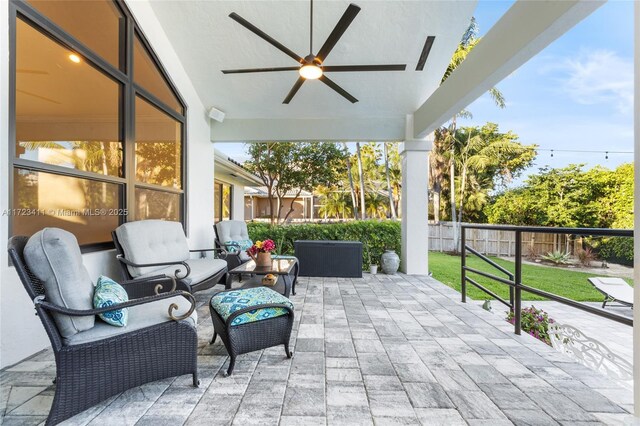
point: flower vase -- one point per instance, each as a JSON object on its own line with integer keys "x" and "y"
{"x": 263, "y": 259}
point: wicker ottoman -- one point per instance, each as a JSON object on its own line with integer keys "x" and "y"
{"x": 251, "y": 319}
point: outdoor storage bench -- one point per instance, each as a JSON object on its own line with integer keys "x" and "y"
{"x": 324, "y": 258}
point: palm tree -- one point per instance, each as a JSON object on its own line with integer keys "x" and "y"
{"x": 354, "y": 203}
{"x": 442, "y": 155}
{"x": 376, "y": 205}
{"x": 392, "y": 206}
{"x": 363, "y": 213}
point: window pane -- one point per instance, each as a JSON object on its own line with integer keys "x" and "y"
{"x": 157, "y": 205}
{"x": 67, "y": 113}
{"x": 158, "y": 146}
{"x": 74, "y": 204}
{"x": 226, "y": 202}
{"x": 217, "y": 202}
{"x": 147, "y": 75}
{"x": 96, "y": 24}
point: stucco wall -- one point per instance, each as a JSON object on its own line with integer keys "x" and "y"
{"x": 21, "y": 331}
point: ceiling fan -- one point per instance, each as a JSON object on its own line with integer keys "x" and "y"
{"x": 312, "y": 66}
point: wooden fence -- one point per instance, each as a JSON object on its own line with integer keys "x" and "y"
{"x": 498, "y": 243}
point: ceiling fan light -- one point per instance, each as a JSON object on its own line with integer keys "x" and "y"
{"x": 310, "y": 72}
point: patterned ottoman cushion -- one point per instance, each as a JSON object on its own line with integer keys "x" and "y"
{"x": 229, "y": 302}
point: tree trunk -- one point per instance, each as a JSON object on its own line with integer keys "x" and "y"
{"x": 271, "y": 207}
{"x": 351, "y": 185}
{"x": 392, "y": 206}
{"x": 452, "y": 190}
{"x": 291, "y": 209}
{"x": 363, "y": 213}
{"x": 437, "y": 189}
{"x": 463, "y": 184}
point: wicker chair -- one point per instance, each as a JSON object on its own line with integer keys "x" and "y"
{"x": 158, "y": 247}
{"x": 88, "y": 372}
{"x": 228, "y": 233}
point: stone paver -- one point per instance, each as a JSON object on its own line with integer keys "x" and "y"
{"x": 384, "y": 350}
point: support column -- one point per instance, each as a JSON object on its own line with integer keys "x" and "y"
{"x": 237, "y": 202}
{"x": 636, "y": 222}
{"x": 414, "y": 154}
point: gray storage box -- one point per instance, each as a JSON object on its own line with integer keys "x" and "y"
{"x": 329, "y": 258}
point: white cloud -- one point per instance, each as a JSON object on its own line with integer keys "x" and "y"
{"x": 599, "y": 77}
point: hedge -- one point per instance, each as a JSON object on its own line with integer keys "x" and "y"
{"x": 617, "y": 250}
{"x": 376, "y": 236}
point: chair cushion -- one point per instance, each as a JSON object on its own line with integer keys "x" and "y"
{"x": 140, "y": 316}
{"x": 53, "y": 255}
{"x": 108, "y": 293}
{"x": 232, "y": 230}
{"x": 228, "y": 302}
{"x": 201, "y": 269}
{"x": 152, "y": 241}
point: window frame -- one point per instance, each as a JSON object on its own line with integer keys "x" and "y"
{"x": 220, "y": 205}
{"x": 123, "y": 75}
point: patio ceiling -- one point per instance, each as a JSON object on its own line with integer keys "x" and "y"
{"x": 207, "y": 41}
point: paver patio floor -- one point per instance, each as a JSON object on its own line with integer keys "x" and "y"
{"x": 382, "y": 349}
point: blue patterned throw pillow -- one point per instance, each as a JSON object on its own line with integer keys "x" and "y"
{"x": 107, "y": 293}
{"x": 244, "y": 245}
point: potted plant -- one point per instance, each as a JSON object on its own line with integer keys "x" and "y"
{"x": 373, "y": 268}
{"x": 260, "y": 252}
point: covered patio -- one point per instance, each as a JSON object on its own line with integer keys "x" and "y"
{"x": 397, "y": 349}
{"x": 381, "y": 349}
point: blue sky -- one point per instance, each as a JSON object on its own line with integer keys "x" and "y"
{"x": 577, "y": 94}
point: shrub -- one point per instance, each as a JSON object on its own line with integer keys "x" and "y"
{"x": 586, "y": 256}
{"x": 617, "y": 250}
{"x": 535, "y": 322}
{"x": 557, "y": 257}
{"x": 376, "y": 236}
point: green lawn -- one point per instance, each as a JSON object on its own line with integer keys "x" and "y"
{"x": 564, "y": 282}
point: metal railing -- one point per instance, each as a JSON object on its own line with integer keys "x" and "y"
{"x": 514, "y": 280}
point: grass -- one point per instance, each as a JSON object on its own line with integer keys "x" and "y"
{"x": 569, "y": 283}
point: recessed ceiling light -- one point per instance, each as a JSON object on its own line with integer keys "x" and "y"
{"x": 74, "y": 58}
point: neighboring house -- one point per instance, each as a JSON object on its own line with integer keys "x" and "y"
{"x": 231, "y": 178}
{"x": 256, "y": 204}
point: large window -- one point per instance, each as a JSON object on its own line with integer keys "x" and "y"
{"x": 99, "y": 129}
{"x": 222, "y": 195}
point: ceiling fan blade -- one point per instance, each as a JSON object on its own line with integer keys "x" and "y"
{"x": 338, "y": 89}
{"x": 424, "y": 54}
{"x": 294, "y": 90}
{"x": 342, "y": 25}
{"x": 250, "y": 70}
{"x": 248, "y": 25}
{"x": 348, "y": 68}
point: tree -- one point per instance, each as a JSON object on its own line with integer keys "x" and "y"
{"x": 363, "y": 213}
{"x": 287, "y": 166}
{"x": 392, "y": 206}
{"x": 441, "y": 159}
{"x": 486, "y": 159}
{"x": 569, "y": 196}
{"x": 354, "y": 203}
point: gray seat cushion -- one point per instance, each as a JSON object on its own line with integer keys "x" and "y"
{"x": 140, "y": 316}
{"x": 201, "y": 269}
{"x": 53, "y": 255}
{"x": 232, "y": 230}
{"x": 152, "y": 241}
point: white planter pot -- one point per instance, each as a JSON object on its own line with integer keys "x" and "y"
{"x": 373, "y": 269}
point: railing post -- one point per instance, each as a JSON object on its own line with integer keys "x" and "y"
{"x": 518, "y": 281}
{"x": 463, "y": 264}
